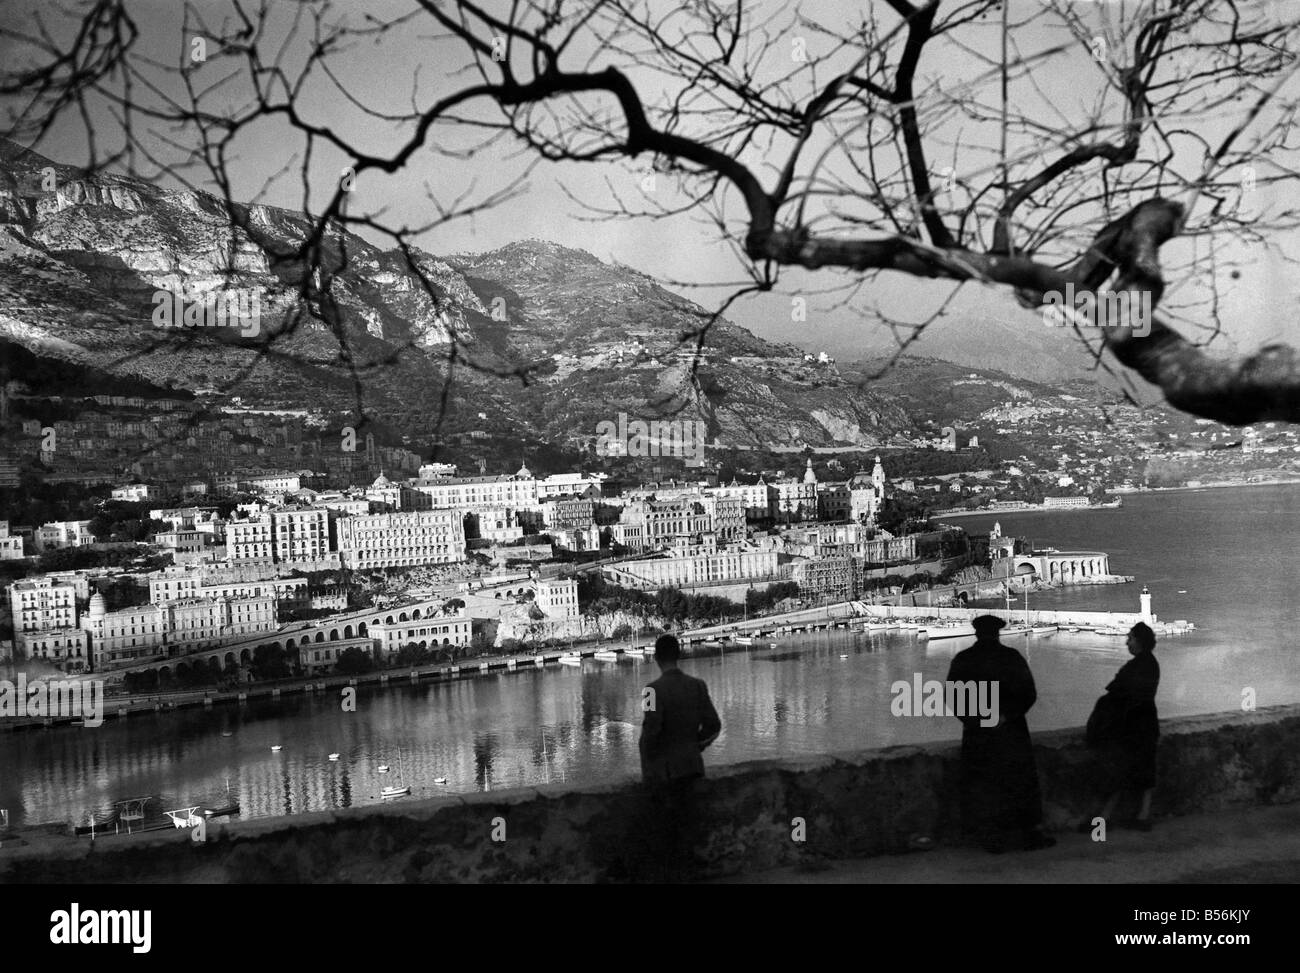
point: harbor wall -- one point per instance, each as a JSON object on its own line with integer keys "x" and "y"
{"x": 844, "y": 805}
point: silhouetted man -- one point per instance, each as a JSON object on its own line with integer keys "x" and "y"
{"x": 680, "y": 722}
{"x": 1002, "y": 807}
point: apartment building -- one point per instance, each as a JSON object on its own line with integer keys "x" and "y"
{"x": 301, "y": 535}
{"x": 434, "y": 631}
{"x": 145, "y": 631}
{"x": 67, "y": 649}
{"x": 401, "y": 539}
{"x": 40, "y": 604}
{"x": 250, "y": 540}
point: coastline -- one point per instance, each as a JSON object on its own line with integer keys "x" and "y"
{"x": 1119, "y": 491}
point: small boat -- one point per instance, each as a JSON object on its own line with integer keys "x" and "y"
{"x": 607, "y": 655}
{"x": 226, "y": 733}
{"x": 397, "y": 790}
{"x": 947, "y": 632}
{"x": 334, "y": 756}
{"x": 1043, "y": 630}
{"x": 712, "y": 644}
{"x": 745, "y": 640}
{"x": 570, "y": 660}
{"x": 384, "y": 768}
{"x": 440, "y": 780}
{"x": 184, "y": 817}
{"x": 1182, "y": 591}
{"x": 276, "y": 748}
{"x": 1073, "y": 628}
{"x": 222, "y": 812}
{"x": 844, "y": 655}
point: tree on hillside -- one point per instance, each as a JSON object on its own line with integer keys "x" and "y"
{"x": 928, "y": 139}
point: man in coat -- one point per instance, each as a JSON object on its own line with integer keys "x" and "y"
{"x": 1002, "y": 807}
{"x": 680, "y": 722}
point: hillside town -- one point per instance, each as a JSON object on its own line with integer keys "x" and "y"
{"x": 488, "y": 558}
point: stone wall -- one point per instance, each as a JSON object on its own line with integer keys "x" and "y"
{"x": 852, "y": 804}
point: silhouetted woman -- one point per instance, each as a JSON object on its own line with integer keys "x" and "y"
{"x": 1128, "y": 753}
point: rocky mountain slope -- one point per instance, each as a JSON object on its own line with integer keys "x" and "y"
{"x": 83, "y": 259}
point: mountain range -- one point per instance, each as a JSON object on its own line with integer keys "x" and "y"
{"x": 533, "y": 340}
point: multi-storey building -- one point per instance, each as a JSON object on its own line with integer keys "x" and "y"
{"x": 301, "y": 536}
{"x": 465, "y": 493}
{"x": 661, "y": 520}
{"x": 557, "y": 597}
{"x": 756, "y": 498}
{"x": 250, "y": 540}
{"x": 272, "y": 483}
{"x": 728, "y": 516}
{"x": 867, "y": 494}
{"x": 170, "y": 585}
{"x": 588, "y": 485}
{"x": 794, "y": 501}
{"x": 434, "y": 631}
{"x": 680, "y": 570}
{"x": 67, "y": 649}
{"x": 401, "y": 539}
{"x": 39, "y": 604}
{"x": 11, "y": 548}
{"x": 65, "y": 533}
{"x": 570, "y": 513}
{"x": 144, "y": 631}
{"x": 497, "y": 524}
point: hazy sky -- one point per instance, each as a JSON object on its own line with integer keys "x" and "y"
{"x": 383, "y": 74}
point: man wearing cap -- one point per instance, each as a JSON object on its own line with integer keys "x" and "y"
{"x": 1002, "y": 807}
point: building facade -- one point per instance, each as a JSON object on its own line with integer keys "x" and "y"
{"x": 402, "y": 539}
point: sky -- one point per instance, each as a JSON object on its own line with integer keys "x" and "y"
{"x": 407, "y": 65}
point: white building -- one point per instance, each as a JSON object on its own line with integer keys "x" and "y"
{"x": 301, "y": 535}
{"x": 144, "y": 631}
{"x": 681, "y": 570}
{"x": 466, "y": 493}
{"x": 434, "y": 631}
{"x": 250, "y": 540}
{"x": 64, "y": 533}
{"x": 557, "y": 597}
{"x": 272, "y": 483}
{"x": 65, "y": 648}
{"x": 135, "y": 491}
{"x": 38, "y": 604}
{"x": 401, "y": 539}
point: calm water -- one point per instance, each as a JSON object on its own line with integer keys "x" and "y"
{"x": 1233, "y": 552}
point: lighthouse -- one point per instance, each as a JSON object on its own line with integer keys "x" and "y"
{"x": 1145, "y": 599}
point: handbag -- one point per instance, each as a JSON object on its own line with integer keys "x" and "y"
{"x": 1106, "y": 721}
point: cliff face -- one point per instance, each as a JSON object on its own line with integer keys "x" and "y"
{"x": 82, "y": 257}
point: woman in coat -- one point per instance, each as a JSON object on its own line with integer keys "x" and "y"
{"x": 1128, "y": 750}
